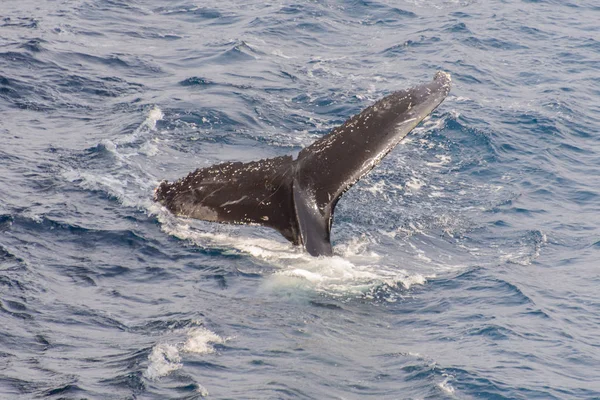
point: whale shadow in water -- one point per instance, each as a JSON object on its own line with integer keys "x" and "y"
{"x": 298, "y": 197}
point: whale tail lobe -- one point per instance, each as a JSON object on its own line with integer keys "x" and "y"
{"x": 298, "y": 197}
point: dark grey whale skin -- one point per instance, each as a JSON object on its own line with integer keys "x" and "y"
{"x": 298, "y": 197}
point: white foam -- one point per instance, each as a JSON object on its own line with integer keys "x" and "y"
{"x": 154, "y": 116}
{"x": 461, "y": 99}
{"x": 120, "y": 188}
{"x": 149, "y": 124}
{"x": 337, "y": 276}
{"x": 414, "y": 183}
{"x": 444, "y": 159}
{"x": 445, "y": 385}
{"x": 279, "y": 53}
{"x": 377, "y": 188}
{"x": 130, "y": 184}
{"x": 166, "y": 358}
{"x": 352, "y": 271}
{"x": 149, "y": 149}
{"x": 200, "y": 341}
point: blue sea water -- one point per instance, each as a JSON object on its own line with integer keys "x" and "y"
{"x": 466, "y": 265}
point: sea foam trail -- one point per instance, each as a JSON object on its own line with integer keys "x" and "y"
{"x": 352, "y": 271}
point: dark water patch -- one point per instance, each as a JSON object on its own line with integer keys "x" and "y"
{"x": 206, "y": 365}
{"x": 455, "y": 282}
{"x": 196, "y": 81}
{"x": 71, "y": 29}
{"x": 330, "y": 306}
{"x": 121, "y": 5}
{"x": 282, "y": 390}
{"x": 129, "y": 360}
{"x": 69, "y": 389}
{"x": 6, "y": 221}
{"x": 473, "y": 383}
{"x": 584, "y": 197}
{"x": 193, "y": 390}
{"x": 462, "y": 14}
{"x": 492, "y": 331}
{"x": 20, "y": 22}
{"x": 423, "y": 41}
{"x": 103, "y": 87}
{"x": 362, "y": 7}
{"x": 202, "y": 15}
{"x": 469, "y": 142}
{"x": 81, "y": 275}
{"x": 81, "y": 315}
{"x": 333, "y": 104}
{"x": 478, "y": 280}
{"x": 87, "y": 237}
{"x": 43, "y": 341}
{"x": 416, "y": 44}
{"x": 18, "y": 336}
{"x": 220, "y": 279}
{"x": 8, "y": 157}
{"x": 19, "y": 60}
{"x": 543, "y": 130}
{"x": 457, "y": 27}
{"x": 10, "y": 283}
{"x": 112, "y": 271}
{"x": 591, "y": 44}
{"x": 493, "y": 43}
{"x": 298, "y": 9}
{"x": 131, "y": 381}
{"x": 237, "y": 52}
{"x": 190, "y": 9}
{"x": 11, "y": 262}
{"x": 255, "y": 79}
{"x": 474, "y": 76}
{"x": 571, "y": 148}
{"x": 181, "y": 385}
{"x": 517, "y": 212}
{"x": 418, "y": 372}
{"x": 13, "y": 386}
{"x": 15, "y": 309}
{"x": 287, "y": 75}
{"x": 132, "y": 66}
{"x": 23, "y": 95}
{"x": 151, "y": 34}
{"x": 34, "y": 45}
{"x": 111, "y": 12}
{"x": 510, "y": 294}
{"x": 313, "y": 28}
{"x": 174, "y": 322}
{"x": 367, "y": 13}
{"x": 141, "y": 299}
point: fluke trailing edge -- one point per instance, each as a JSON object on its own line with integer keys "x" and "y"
{"x": 297, "y": 197}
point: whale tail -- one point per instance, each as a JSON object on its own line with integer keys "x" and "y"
{"x": 298, "y": 197}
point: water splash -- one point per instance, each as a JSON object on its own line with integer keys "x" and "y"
{"x": 166, "y": 358}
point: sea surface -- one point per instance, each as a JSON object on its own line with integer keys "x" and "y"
{"x": 467, "y": 264}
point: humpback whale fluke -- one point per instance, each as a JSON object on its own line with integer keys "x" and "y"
{"x": 298, "y": 197}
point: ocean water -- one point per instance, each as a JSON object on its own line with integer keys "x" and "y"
{"x": 467, "y": 265}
